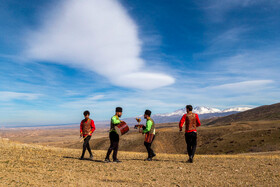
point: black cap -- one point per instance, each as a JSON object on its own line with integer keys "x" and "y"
{"x": 119, "y": 109}
{"x": 148, "y": 112}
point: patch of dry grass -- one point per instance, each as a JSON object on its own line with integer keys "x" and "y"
{"x": 34, "y": 165}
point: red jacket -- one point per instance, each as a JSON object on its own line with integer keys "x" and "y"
{"x": 183, "y": 119}
{"x": 92, "y": 127}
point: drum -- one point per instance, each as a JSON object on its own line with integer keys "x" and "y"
{"x": 122, "y": 128}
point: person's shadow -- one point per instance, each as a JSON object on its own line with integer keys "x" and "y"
{"x": 85, "y": 159}
{"x": 100, "y": 161}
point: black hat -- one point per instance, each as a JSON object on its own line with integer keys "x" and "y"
{"x": 148, "y": 112}
{"x": 119, "y": 109}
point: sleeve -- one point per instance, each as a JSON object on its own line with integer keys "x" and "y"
{"x": 115, "y": 120}
{"x": 197, "y": 120}
{"x": 182, "y": 121}
{"x": 92, "y": 126}
{"x": 148, "y": 126}
{"x": 81, "y": 127}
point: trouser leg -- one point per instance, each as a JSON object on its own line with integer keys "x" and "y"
{"x": 111, "y": 146}
{"x": 85, "y": 145}
{"x": 188, "y": 142}
{"x": 88, "y": 146}
{"x": 151, "y": 150}
{"x": 148, "y": 147}
{"x": 115, "y": 146}
{"x": 194, "y": 143}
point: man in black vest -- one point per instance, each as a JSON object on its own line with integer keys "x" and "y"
{"x": 114, "y": 137}
{"x": 149, "y": 132}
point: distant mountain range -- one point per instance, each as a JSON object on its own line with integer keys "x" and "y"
{"x": 203, "y": 112}
{"x": 262, "y": 113}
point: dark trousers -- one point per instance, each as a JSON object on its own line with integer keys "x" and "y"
{"x": 149, "y": 149}
{"x": 114, "y": 145}
{"x": 191, "y": 143}
{"x": 86, "y": 146}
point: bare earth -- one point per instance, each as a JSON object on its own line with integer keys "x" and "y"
{"x": 35, "y": 165}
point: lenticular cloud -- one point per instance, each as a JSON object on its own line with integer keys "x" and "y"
{"x": 97, "y": 35}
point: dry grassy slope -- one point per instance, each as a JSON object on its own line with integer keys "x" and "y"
{"x": 33, "y": 165}
{"x": 266, "y": 112}
{"x": 239, "y": 137}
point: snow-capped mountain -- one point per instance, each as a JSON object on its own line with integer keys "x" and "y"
{"x": 237, "y": 109}
{"x": 205, "y": 110}
{"x": 202, "y": 111}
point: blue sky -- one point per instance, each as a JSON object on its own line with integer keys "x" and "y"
{"x": 59, "y": 58}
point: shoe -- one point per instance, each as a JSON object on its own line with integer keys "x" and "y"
{"x": 82, "y": 158}
{"x": 107, "y": 160}
{"x": 117, "y": 161}
{"x": 190, "y": 160}
{"x": 153, "y": 155}
{"x": 148, "y": 159}
{"x": 91, "y": 157}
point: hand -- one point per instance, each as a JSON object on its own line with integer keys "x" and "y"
{"x": 81, "y": 135}
{"x": 180, "y": 130}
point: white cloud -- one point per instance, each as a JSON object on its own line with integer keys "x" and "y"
{"x": 98, "y": 36}
{"x": 245, "y": 85}
{"x": 8, "y": 96}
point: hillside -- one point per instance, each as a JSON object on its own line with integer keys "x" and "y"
{"x": 242, "y": 137}
{"x": 239, "y": 137}
{"x": 33, "y": 165}
{"x": 266, "y": 112}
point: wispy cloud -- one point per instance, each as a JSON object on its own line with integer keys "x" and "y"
{"x": 98, "y": 36}
{"x": 217, "y": 9}
{"x": 244, "y": 86}
{"x": 9, "y": 96}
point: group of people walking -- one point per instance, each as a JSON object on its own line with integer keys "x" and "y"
{"x": 190, "y": 120}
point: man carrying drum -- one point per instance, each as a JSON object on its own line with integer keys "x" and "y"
{"x": 114, "y": 137}
{"x": 149, "y": 132}
{"x": 87, "y": 127}
{"x": 191, "y": 121}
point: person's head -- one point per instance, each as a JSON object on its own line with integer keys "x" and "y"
{"x": 147, "y": 114}
{"x": 86, "y": 114}
{"x": 189, "y": 108}
{"x": 119, "y": 111}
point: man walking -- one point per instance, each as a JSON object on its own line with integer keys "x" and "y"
{"x": 149, "y": 132}
{"x": 87, "y": 127}
{"x": 114, "y": 137}
{"x": 191, "y": 121}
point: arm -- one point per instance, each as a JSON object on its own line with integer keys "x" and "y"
{"x": 115, "y": 120}
{"x": 81, "y": 128}
{"x": 182, "y": 121}
{"x": 148, "y": 126}
{"x": 197, "y": 120}
{"x": 92, "y": 126}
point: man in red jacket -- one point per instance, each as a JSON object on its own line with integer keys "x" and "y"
{"x": 87, "y": 127}
{"x": 191, "y": 121}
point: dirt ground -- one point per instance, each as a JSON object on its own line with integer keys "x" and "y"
{"x": 35, "y": 165}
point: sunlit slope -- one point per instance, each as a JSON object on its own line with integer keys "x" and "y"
{"x": 33, "y": 165}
